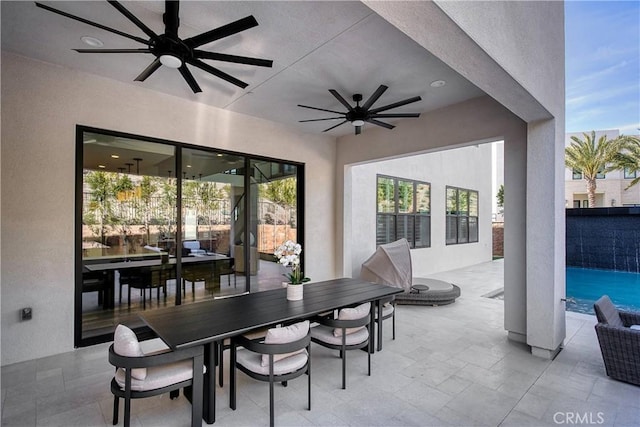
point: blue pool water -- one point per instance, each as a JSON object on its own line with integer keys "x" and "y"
{"x": 585, "y": 286}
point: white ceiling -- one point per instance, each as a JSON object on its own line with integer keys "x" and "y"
{"x": 315, "y": 46}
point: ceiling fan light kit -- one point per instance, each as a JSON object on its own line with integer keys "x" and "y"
{"x": 172, "y": 51}
{"x": 361, "y": 114}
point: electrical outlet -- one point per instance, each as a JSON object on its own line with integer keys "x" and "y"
{"x": 26, "y": 313}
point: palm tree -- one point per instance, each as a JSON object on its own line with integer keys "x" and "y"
{"x": 591, "y": 157}
{"x": 629, "y": 158}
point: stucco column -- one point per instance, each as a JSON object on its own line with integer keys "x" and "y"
{"x": 545, "y": 239}
{"x": 515, "y": 239}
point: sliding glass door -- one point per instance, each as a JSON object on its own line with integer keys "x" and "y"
{"x": 160, "y": 223}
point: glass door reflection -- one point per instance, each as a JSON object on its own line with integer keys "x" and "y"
{"x": 212, "y": 225}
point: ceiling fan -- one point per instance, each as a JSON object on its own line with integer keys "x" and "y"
{"x": 172, "y": 51}
{"x": 360, "y": 114}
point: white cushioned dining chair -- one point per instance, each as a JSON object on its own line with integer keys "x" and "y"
{"x": 283, "y": 354}
{"x": 349, "y": 331}
{"x": 388, "y": 312}
{"x": 139, "y": 375}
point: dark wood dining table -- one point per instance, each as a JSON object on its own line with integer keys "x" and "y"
{"x": 209, "y": 322}
{"x": 110, "y": 267}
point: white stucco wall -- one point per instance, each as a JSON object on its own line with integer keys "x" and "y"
{"x": 41, "y": 105}
{"x": 514, "y": 52}
{"x": 468, "y": 167}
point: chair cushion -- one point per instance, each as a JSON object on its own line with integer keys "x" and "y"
{"x": 325, "y": 334}
{"x": 387, "y": 309}
{"x": 125, "y": 343}
{"x": 285, "y": 335}
{"x": 159, "y": 376}
{"x": 607, "y": 313}
{"x": 253, "y": 362}
{"x": 352, "y": 314}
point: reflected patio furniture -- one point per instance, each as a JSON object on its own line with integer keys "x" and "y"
{"x": 96, "y": 281}
{"x": 619, "y": 338}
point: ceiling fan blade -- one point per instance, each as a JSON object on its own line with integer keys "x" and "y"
{"x": 333, "y": 127}
{"x": 358, "y": 130}
{"x": 148, "y": 71}
{"x": 318, "y": 120}
{"x": 320, "y": 109}
{"x": 224, "y": 76}
{"x": 141, "y": 50}
{"x": 379, "y": 123}
{"x": 373, "y": 98}
{"x": 94, "y": 24}
{"x": 191, "y": 81}
{"x": 170, "y": 17}
{"x": 390, "y": 115}
{"x": 201, "y": 54}
{"x": 341, "y": 99}
{"x": 222, "y": 32}
{"x": 131, "y": 17}
{"x": 396, "y": 104}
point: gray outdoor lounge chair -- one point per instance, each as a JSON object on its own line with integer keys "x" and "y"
{"x": 619, "y": 341}
{"x": 391, "y": 265}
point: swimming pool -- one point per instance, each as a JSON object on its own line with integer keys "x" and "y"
{"x": 585, "y": 286}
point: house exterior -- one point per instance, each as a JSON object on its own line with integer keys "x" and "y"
{"x": 513, "y": 51}
{"x": 611, "y": 190}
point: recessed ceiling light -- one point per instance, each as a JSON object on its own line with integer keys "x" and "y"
{"x": 91, "y": 41}
{"x": 101, "y": 166}
{"x": 438, "y": 83}
{"x": 188, "y": 166}
{"x": 115, "y": 156}
{"x": 219, "y": 154}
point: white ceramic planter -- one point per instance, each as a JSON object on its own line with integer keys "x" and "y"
{"x": 295, "y": 292}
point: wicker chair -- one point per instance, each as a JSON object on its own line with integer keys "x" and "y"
{"x": 619, "y": 343}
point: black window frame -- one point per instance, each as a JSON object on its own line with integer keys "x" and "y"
{"x": 576, "y": 174}
{"x": 458, "y": 224}
{"x": 79, "y": 340}
{"x": 389, "y": 224}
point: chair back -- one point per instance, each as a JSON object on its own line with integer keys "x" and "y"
{"x": 607, "y": 313}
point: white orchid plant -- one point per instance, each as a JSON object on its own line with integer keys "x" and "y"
{"x": 288, "y": 255}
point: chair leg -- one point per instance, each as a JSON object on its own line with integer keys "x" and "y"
{"x": 393, "y": 320}
{"x": 344, "y": 369}
{"x": 127, "y": 412}
{"x": 368, "y": 362}
{"x": 221, "y": 364}
{"x": 116, "y": 402}
{"x": 271, "y": 403}
{"x": 309, "y": 376}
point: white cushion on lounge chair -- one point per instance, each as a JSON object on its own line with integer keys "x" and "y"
{"x": 285, "y": 335}
{"x": 635, "y": 327}
{"x": 352, "y": 314}
{"x": 253, "y": 362}
{"x": 159, "y": 376}
{"x": 325, "y": 334}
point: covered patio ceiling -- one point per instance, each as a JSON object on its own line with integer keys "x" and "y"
{"x": 315, "y": 46}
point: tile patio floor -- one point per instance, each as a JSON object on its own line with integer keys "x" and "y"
{"x": 449, "y": 365}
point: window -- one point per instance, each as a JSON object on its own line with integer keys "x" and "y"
{"x": 577, "y": 174}
{"x": 403, "y": 211}
{"x": 600, "y": 174}
{"x": 462, "y": 216}
{"x": 629, "y": 174}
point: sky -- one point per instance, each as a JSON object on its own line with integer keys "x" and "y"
{"x": 602, "y": 67}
